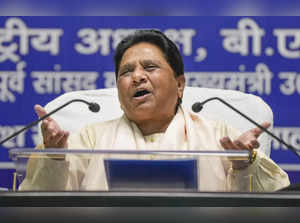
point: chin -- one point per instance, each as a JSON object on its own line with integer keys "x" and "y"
{"x": 140, "y": 115}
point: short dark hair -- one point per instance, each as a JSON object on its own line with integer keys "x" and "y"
{"x": 157, "y": 38}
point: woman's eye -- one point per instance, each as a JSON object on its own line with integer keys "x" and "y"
{"x": 150, "y": 67}
{"x": 124, "y": 73}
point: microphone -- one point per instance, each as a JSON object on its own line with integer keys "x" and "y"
{"x": 197, "y": 107}
{"x": 93, "y": 107}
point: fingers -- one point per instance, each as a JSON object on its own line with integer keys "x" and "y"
{"x": 40, "y": 111}
{"x": 49, "y": 131}
{"x": 56, "y": 140}
{"x": 62, "y": 143}
{"x": 248, "y": 145}
{"x": 254, "y": 144}
{"x": 247, "y": 141}
{"x": 258, "y": 131}
{"x": 227, "y": 143}
{"x": 53, "y": 136}
{"x": 50, "y": 127}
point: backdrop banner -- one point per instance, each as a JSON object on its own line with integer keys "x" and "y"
{"x": 44, "y": 57}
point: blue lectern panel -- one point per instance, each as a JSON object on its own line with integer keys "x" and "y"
{"x": 151, "y": 174}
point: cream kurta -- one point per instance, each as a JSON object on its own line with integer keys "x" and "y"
{"x": 186, "y": 132}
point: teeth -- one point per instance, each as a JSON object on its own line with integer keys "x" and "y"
{"x": 141, "y": 93}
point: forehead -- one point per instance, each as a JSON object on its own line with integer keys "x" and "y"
{"x": 142, "y": 51}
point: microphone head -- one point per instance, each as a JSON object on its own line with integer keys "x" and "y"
{"x": 197, "y": 107}
{"x": 94, "y": 107}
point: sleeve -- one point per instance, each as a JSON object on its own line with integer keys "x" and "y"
{"x": 46, "y": 174}
{"x": 262, "y": 175}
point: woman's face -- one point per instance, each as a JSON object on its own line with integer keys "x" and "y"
{"x": 147, "y": 86}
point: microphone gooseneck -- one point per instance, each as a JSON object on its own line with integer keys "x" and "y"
{"x": 197, "y": 107}
{"x": 94, "y": 107}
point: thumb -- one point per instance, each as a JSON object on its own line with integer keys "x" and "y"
{"x": 257, "y": 131}
{"x": 266, "y": 124}
{"x": 40, "y": 111}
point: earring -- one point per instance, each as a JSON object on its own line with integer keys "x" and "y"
{"x": 179, "y": 101}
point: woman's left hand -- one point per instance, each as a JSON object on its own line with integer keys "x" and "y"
{"x": 246, "y": 141}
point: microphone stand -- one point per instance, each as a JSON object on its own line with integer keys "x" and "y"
{"x": 94, "y": 107}
{"x": 197, "y": 107}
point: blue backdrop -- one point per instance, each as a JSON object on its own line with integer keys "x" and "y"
{"x": 43, "y": 57}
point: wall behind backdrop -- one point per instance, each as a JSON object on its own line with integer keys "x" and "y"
{"x": 44, "y": 57}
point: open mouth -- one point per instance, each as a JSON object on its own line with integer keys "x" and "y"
{"x": 140, "y": 93}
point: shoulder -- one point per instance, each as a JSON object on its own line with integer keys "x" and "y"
{"x": 200, "y": 119}
{"x": 102, "y": 126}
{"x": 218, "y": 127}
{"x": 89, "y": 135}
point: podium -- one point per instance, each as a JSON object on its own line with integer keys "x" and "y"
{"x": 92, "y": 207}
{"x": 129, "y": 170}
{"x": 177, "y": 205}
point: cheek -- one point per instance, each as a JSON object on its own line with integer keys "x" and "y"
{"x": 123, "y": 85}
{"x": 122, "y": 91}
{"x": 122, "y": 99}
{"x": 168, "y": 86}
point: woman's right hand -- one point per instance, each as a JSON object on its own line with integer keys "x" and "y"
{"x": 53, "y": 135}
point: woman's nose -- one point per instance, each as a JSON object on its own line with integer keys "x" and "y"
{"x": 139, "y": 76}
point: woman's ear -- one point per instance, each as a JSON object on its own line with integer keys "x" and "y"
{"x": 180, "y": 84}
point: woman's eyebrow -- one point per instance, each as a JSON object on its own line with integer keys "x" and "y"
{"x": 151, "y": 62}
{"x": 127, "y": 66}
